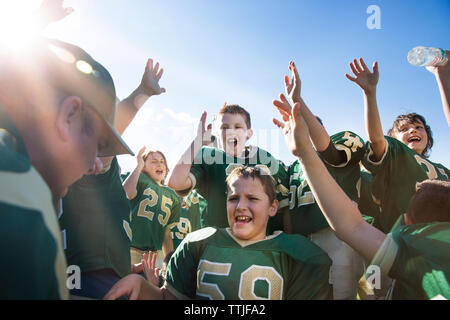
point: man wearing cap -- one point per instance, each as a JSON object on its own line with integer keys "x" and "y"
{"x": 95, "y": 214}
{"x": 54, "y": 122}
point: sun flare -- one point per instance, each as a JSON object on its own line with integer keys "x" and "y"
{"x": 18, "y": 24}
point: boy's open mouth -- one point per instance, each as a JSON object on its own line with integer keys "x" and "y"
{"x": 242, "y": 219}
{"x": 232, "y": 141}
{"x": 414, "y": 138}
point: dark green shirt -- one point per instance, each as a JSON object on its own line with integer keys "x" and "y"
{"x": 395, "y": 177}
{"x": 306, "y": 216}
{"x": 33, "y": 265}
{"x": 155, "y": 208}
{"x": 212, "y": 166}
{"x": 417, "y": 257}
{"x": 212, "y": 264}
{"x": 95, "y": 223}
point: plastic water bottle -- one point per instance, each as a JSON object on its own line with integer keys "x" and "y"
{"x": 425, "y": 56}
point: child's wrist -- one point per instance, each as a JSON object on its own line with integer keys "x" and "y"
{"x": 370, "y": 91}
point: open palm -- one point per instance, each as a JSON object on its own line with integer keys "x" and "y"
{"x": 151, "y": 77}
{"x": 363, "y": 77}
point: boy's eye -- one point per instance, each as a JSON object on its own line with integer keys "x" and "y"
{"x": 232, "y": 198}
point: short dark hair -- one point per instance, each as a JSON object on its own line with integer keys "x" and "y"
{"x": 430, "y": 202}
{"x": 265, "y": 178}
{"x": 413, "y": 118}
{"x": 236, "y": 109}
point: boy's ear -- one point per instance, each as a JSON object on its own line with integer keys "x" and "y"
{"x": 273, "y": 208}
{"x": 69, "y": 110}
{"x": 249, "y": 133}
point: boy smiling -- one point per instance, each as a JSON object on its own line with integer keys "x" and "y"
{"x": 211, "y": 166}
{"x": 240, "y": 262}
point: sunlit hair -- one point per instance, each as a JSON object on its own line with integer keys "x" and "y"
{"x": 148, "y": 153}
{"x": 413, "y": 118}
{"x": 430, "y": 202}
{"x": 236, "y": 109}
{"x": 265, "y": 178}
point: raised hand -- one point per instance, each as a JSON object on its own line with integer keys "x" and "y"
{"x": 150, "y": 271}
{"x": 443, "y": 69}
{"x": 150, "y": 79}
{"x": 293, "y": 85}
{"x": 140, "y": 158}
{"x": 294, "y": 129}
{"x": 204, "y": 133}
{"x": 53, "y": 10}
{"x": 365, "y": 79}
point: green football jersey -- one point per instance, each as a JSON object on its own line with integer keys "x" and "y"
{"x": 190, "y": 217}
{"x": 33, "y": 265}
{"x": 368, "y": 205}
{"x": 306, "y": 216}
{"x": 95, "y": 223}
{"x": 210, "y": 169}
{"x": 155, "y": 208}
{"x": 212, "y": 264}
{"x": 417, "y": 257}
{"x": 395, "y": 177}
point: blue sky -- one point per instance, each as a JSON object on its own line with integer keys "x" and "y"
{"x": 238, "y": 52}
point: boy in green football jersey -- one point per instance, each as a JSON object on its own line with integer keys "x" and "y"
{"x": 399, "y": 160}
{"x": 341, "y": 154}
{"x": 416, "y": 255}
{"x": 240, "y": 262}
{"x": 155, "y": 207}
{"x": 206, "y": 168}
{"x": 193, "y": 206}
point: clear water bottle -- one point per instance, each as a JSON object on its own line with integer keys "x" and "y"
{"x": 425, "y": 56}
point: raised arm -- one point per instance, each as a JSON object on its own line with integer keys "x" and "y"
{"x": 128, "y": 108}
{"x": 51, "y": 11}
{"x": 130, "y": 183}
{"x": 442, "y": 74}
{"x": 342, "y": 215}
{"x": 149, "y": 86}
{"x": 368, "y": 81}
{"x": 179, "y": 179}
{"x": 319, "y": 135}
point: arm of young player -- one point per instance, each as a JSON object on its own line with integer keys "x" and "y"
{"x": 149, "y": 86}
{"x": 167, "y": 245}
{"x": 318, "y": 134}
{"x": 442, "y": 74}
{"x": 179, "y": 179}
{"x": 137, "y": 288}
{"x": 51, "y": 11}
{"x": 368, "y": 81}
{"x": 128, "y": 108}
{"x": 130, "y": 183}
{"x": 342, "y": 215}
